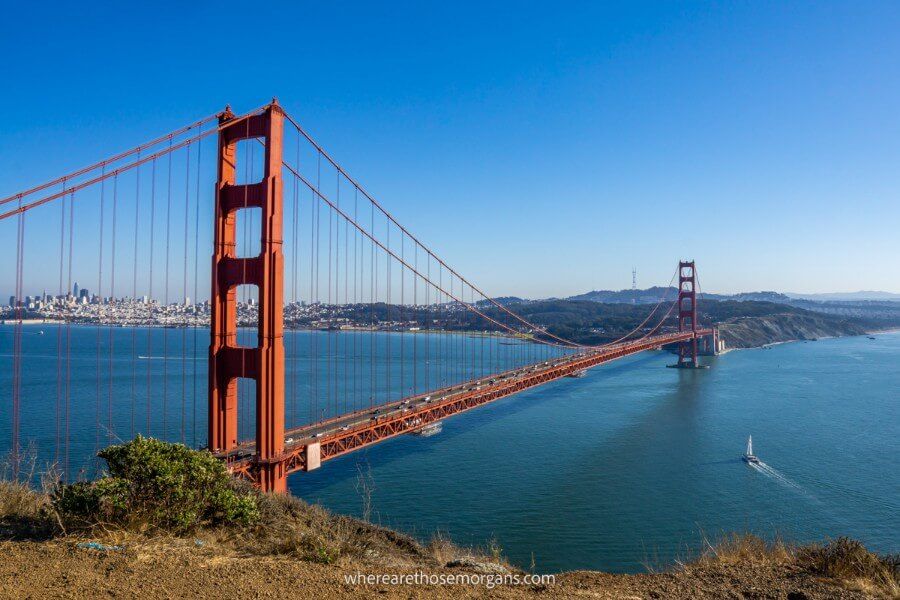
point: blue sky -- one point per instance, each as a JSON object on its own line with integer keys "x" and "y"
{"x": 540, "y": 151}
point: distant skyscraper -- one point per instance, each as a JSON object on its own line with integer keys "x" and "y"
{"x": 12, "y": 301}
{"x": 84, "y": 293}
{"x": 75, "y": 290}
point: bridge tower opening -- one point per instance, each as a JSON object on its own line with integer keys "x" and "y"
{"x": 687, "y": 313}
{"x": 229, "y": 361}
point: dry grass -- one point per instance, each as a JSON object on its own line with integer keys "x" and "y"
{"x": 843, "y": 560}
{"x": 310, "y": 532}
{"x": 25, "y": 512}
{"x": 443, "y": 550}
{"x": 19, "y": 501}
{"x": 848, "y": 561}
{"x": 745, "y": 549}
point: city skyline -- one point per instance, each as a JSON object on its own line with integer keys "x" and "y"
{"x": 86, "y": 296}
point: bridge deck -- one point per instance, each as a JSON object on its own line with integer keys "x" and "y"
{"x": 353, "y": 431}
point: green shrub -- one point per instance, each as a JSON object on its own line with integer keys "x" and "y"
{"x": 155, "y": 484}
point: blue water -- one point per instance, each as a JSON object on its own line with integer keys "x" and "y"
{"x": 635, "y": 463}
{"x": 631, "y": 465}
{"x": 117, "y": 382}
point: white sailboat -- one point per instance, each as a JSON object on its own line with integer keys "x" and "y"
{"x": 749, "y": 457}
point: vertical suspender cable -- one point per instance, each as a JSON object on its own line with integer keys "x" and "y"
{"x": 329, "y": 308}
{"x": 196, "y": 297}
{"x": 339, "y": 401}
{"x": 69, "y": 340}
{"x": 356, "y": 279}
{"x": 184, "y": 292}
{"x": 137, "y": 202}
{"x": 312, "y": 302}
{"x": 415, "y": 361}
{"x": 373, "y": 292}
{"x": 112, "y": 302}
{"x": 318, "y": 239}
{"x": 150, "y": 291}
{"x": 99, "y": 327}
{"x": 429, "y": 321}
{"x": 59, "y": 329}
{"x": 346, "y": 362}
{"x": 295, "y": 268}
{"x": 388, "y": 340}
{"x": 165, "y": 307}
{"x": 17, "y": 345}
{"x": 400, "y": 310}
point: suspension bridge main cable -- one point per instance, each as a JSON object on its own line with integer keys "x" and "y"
{"x": 137, "y": 163}
{"x": 106, "y": 162}
{"x": 661, "y": 321}
{"x": 414, "y": 239}
{"x": 649, "y": 316}
{"x": 391, "y": 253}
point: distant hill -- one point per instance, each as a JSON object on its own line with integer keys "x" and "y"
{"x": 848, "y": 296}
{"x": 747, "y": 319}
{"x": 744, "y": 323}
{"x": 501, "y": 300}
{"x": 648, "y": 296}
{"x": 752, "y": 297}
{"x": 652, "y": 296}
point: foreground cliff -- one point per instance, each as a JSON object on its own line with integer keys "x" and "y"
{"x": 299, "y": 550}
{"x": 195, "y": 568}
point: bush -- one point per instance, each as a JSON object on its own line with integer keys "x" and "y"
{"x": 155, "y": 484}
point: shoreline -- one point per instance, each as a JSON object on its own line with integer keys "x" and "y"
{"x": 890, "y": 330}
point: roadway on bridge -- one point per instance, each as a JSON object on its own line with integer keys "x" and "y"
{"x": 411, "y": 414}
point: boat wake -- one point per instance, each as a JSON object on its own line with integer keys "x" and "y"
{"x": 774, "y": 474}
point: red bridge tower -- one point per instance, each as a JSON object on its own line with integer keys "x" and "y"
{"x": 227, "y": 360}
{"x": 687, "y": 313}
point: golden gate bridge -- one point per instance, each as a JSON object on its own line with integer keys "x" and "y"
{"x": 289, "y": 225}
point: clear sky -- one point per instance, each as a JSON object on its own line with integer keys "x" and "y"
{"x": 542, "y": 149}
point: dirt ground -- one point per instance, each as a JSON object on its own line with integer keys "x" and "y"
{"x": 189, "y": 569}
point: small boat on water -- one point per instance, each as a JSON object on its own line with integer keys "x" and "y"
{"x": 749, "y": 457}
{"x": 429, "y": 430}
{"x": 578, "y": 374}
